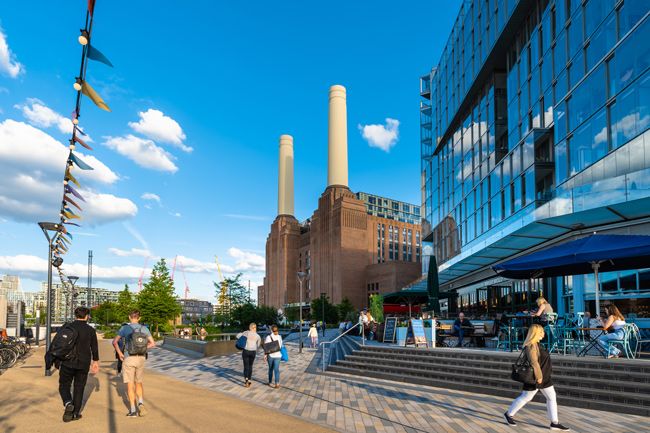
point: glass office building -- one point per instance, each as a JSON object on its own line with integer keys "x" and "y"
{"x": 383, "y": 207}
{"x": 534, "y": 131}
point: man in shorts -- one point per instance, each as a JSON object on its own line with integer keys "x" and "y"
{"x": 133, "y": 364}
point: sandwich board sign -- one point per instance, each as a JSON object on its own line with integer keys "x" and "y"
{"x": 389, "y": 329}
{"x": 419, "y": 337}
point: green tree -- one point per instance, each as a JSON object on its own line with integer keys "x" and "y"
{"x": 377, "y": 307}
{"x": 125, "y": 304}
{"x": 157, "y": 300}
{"x": 231, "y": 294}
{"x": 247, "y": 313}
{"x": 331, "y": 312}
{"x": 292, "y": 314}
{"x": 105, "y": 313}
{"x": 345, "y": 308}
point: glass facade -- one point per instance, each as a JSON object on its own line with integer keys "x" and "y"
{"x": 391, "y": 209}
{"x": 536, "y": 110}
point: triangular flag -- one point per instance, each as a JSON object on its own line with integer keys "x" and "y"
{"x": 70, "y": 177}
{"x": 71, "y": 224}
{"x": 68, "y": 210}
{"x": 68, "y": 189}
{"x": 70, "y": 215}
{"x": 82, "y": 165}
{"x": 76, "y": 128}
{"x": 94, "y": 54}
{"x": 87, "y": 90}
{"x": 91, "y": 6}
{"x": 80, "y": 141}
{"x": 72, "y": 202}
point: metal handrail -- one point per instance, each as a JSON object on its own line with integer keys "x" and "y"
{"x": 363, "y": 340}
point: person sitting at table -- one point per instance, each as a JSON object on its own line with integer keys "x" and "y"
{"x": 458, "y": 326}
{"x": 614, "y": 325}
{"x": 543, "y": 310}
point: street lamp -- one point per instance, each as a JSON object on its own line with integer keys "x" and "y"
{"x": 47, "y": 228}
{"x": 302, "y": 276}
{"x": 72, "y": 279}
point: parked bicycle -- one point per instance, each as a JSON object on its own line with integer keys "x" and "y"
{"x": 11, "y": 350}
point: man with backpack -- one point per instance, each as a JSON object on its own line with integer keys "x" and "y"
{"x": 72, "y": 350}
{"x": 138, "y": 340}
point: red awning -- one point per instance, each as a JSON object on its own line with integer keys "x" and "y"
{"x": 400, "y": 309}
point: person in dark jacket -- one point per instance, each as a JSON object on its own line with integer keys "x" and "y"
{"x": 540, "y": 361}
{"x": 74, "y": 373}
{"x": 460, "y": 326}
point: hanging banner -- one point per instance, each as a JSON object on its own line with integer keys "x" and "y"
{"x": 94, "y": 54}
{"x": 80, "y": 141}
{"x": 69, "y": 190}
{"x": 82, "y": 165}
{"x": 87, "y": 90}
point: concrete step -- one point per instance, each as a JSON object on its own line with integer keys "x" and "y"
{"x": 502, "y": 365}
{"x": 462, "y": 371}
{"x": 505, "y": 388}
{"x": 623, "y": 365}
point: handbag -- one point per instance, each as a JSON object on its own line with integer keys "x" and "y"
{"x": 241, "y": 342}
{"x": 272, "y": 346}
{"x": 284, "y": 353}
{"x": 522, "y": 371}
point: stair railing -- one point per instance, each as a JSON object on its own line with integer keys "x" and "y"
{"x": 363, "y": 341}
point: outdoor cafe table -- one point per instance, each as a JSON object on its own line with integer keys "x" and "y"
{"x": 593, "y": 341}
{"x": 526, "y": 321}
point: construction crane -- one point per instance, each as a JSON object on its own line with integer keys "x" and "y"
{"x": 187, "y": 288}
{"x": 221, "y": 296}
{"x": 174, "y": 268}
{"x": 146, "y": 261}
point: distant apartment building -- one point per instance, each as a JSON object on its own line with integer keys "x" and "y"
{"x": 62, "y": 294}
{"x": 193, "y": 310}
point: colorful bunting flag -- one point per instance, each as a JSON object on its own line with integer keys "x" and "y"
{"x": 80, "y": 141}
{"x": 94, "y": 54}
{"x": 91, "y": 6}
{"x": 82, "y": 165}
{"x": 87, "y": 90}
{"x": 71, "y": 216}
{"x": 68, "y": 189}
{"x": 70, "y": 177}
{"x": 72, "y": 202}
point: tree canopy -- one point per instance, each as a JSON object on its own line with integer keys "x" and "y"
{"x": 157, "y": 300}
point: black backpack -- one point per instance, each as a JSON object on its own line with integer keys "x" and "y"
{"x": 138, "y": 341}
{"x": 64, "y": 345}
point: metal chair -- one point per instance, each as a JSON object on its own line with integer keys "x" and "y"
{"x": 624, "y": 342}
{"x": 638, "y": 338}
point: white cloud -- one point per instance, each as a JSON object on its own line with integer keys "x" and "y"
{"x": 32, "y": 163}
{"x": 133, "y": 252}
{"x": 175, "y": 214}
{"x": 381, "y": 136}
{"x": 143, "y": 152}
{"x": 156, "y": 126}
{"x": 136, "y": 235}
{"x": 33, "y": 267}
{"x": 150, "y": 196}
{"x": 39, "y": 114}
{"x": 8, "y": 63}
{"x": 247, "y": 261}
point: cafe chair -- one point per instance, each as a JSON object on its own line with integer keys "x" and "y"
{"x": 638, "y": 339}
{"x": 624, "y": 343}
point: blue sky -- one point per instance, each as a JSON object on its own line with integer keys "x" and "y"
{"x": 186, "y": 162}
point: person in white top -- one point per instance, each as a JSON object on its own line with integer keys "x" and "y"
{"x": 616, "y": 322}
{"x": 273, "y": 359}
{"x": 313, "y": 334}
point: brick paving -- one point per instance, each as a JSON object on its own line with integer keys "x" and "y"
{"x": 365, "y": 405}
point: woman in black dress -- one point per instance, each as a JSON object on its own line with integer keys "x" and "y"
{"x": 540, "y": 361}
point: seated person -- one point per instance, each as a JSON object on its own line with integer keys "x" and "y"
{"x": 543, "y": 310}
{"x": 457, "y": 328}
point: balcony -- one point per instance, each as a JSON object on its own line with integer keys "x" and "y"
{"x": 425, "y": 86}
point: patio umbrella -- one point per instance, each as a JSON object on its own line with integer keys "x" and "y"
{"x": 594, "y": 253}
{"x": 433, "y": 286}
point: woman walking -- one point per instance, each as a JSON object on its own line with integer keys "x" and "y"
{"x": 540, "y": 361}
{"x": 253, "y": 342}
{"x": 615, "y": 325}
{"x": 273, "y": 359}
{"x": 313, "y": 334}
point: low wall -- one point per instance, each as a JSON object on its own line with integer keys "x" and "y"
{"x": 200, "y": 348}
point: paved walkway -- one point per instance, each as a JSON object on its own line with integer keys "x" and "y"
{"x": 363, "y": 405}
{"x": 31, "y": 404}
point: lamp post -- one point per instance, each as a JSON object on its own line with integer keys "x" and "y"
{"x": 302, "y": 276}
{"x": 47, "y": 228}
{"x": 72, "y": 279}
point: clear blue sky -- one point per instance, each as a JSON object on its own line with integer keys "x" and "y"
{"x": 225, "y": 79}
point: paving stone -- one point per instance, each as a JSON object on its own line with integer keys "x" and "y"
{"x": 365, "y": 405}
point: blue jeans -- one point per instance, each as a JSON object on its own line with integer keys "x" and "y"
{"x": 459, "y": 331}
{"x": 274, "y": 366}
{"x": 616, "y": 335}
